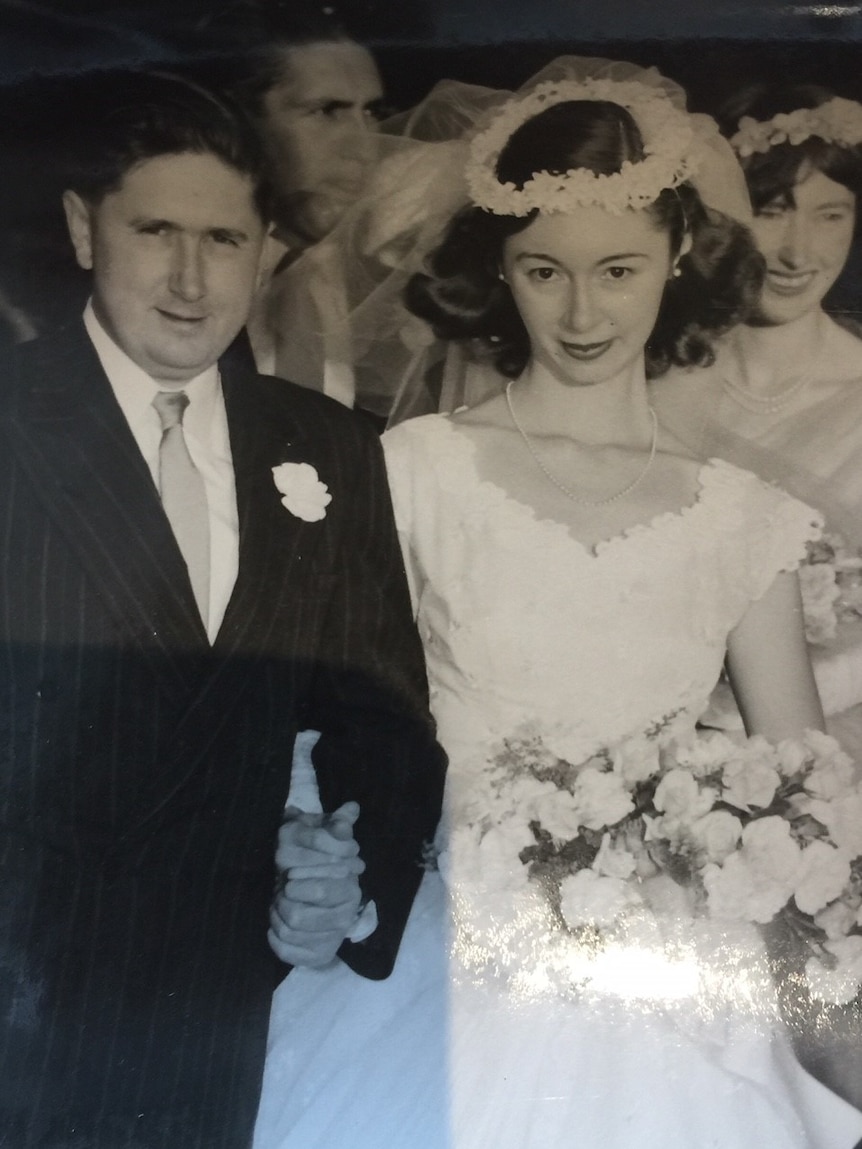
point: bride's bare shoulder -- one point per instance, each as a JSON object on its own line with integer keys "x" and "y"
{"x": 490, "y": 414}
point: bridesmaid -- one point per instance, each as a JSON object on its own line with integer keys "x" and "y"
{"x": 784, "y": 396}
{"x": 786, "y": 388}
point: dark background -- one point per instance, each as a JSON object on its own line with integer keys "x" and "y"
{"x": 711, "y": 47}
{"x": 499, "y": 42}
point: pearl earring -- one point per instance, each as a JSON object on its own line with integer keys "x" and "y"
{"x": 676, "y": 271}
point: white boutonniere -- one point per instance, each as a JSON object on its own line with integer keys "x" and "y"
{"x": 303, "y": 493}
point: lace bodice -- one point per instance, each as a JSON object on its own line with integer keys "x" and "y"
{"x": 522, "y": 623}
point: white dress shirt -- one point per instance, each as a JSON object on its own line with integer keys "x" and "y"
{"x": 208, "y": 440}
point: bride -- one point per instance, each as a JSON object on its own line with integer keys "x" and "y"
{"x": 578, "y": 580}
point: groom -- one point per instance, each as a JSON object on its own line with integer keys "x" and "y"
{"x": 197, "y": 562}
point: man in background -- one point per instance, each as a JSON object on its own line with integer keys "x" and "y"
{"x": 314, "y": 96}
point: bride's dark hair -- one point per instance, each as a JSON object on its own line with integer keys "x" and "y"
{"x": 773, "y": 174}
{"x": 462, "y": 297}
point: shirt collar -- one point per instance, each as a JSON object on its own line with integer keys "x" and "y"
{"x": 135, "y": 389}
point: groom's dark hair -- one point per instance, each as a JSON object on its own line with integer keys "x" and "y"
{"x": 137, "y": 116}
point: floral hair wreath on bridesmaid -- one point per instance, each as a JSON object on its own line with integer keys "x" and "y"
{"x": 838, "y": 121}
{"x": 671, "y": 137}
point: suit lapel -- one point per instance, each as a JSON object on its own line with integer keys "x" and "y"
{"x": 274, "y": 548}
{"x": 270, "y": 539}
{"x": 73, "y": 439}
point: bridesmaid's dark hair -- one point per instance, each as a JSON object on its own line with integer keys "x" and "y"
{"x": 772, "y": 175}
{"x": 462, "y": 297}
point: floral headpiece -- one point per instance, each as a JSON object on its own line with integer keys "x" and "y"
{"x": 670, "y": 144}
{"x": 838, "y": 121}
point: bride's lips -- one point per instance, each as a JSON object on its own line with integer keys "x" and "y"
{"x": 789, "y": 282}
{"x": 586, "y": 352}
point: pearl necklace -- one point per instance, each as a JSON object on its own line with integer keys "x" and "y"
{"x": 762, "y": 404}
{"x": 551, "y": 477}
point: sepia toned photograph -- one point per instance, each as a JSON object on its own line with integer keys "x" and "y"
{"x": 431, "y": 585}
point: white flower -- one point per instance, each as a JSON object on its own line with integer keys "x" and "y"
{"x": 717, "y": 834}
{"x": 834, "y": 772}
{"x": 842, "y": 817}
{"x": 526, "y": 792}
{"x": 601, "y": 799}
{"x": 838, "y": 121}
{"x": 673, "y": 147}
{"x": 748, "y": 784}
{"x": 824, "y": 873}
{"x": 636, "y": 760}
{"x": 500, "y": 868}
{"x": 836, "y": 920}
{"x": 832, "y": 779}
{"x": 758, "y": 880}
{"x": 680, "y": 797}
{"x": 823, "y": 745}
{"x": 613, "y": 860}
{"x": 590, "y": 899}
{"x": 558, "y": 814}
{"x": 304, "y": 494}
{"x": 792, "y": 756}
{"x": 705, "y": 754}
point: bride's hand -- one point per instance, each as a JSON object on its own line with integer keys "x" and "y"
{"x": 319, "y": 900}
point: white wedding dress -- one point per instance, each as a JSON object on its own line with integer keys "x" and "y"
{"x": 522, "y": 623}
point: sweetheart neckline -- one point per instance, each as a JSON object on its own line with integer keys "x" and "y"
{"x": 598, "y": 549}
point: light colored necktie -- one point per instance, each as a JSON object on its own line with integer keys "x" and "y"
{"x": 184, "y": 495}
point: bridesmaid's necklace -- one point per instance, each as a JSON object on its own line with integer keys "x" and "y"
{"x": 759, "y": 404}
{"x": 763, "y": 404}
{"x": 551, "y": 477}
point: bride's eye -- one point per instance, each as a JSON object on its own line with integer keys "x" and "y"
{"x": 543, "y": 274}
{"x": 617, "y": 272}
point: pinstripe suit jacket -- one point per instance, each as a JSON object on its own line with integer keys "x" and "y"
{"x": 143, "y": 771}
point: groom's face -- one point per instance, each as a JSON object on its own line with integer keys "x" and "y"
{"x": 175, "y": 254}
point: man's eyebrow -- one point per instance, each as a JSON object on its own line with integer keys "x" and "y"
{"x": 222, "y": 232}
{"x": 325, "y": 102}
{"x": 336, "y": 104}
{"x": 234, "y": 233}
{"x": 151, "y": 221}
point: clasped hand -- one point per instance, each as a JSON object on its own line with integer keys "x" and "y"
{"x": 319, "y": 899}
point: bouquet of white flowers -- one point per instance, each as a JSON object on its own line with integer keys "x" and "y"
{"x": 831, "y": 581}
{"x": 550, "y": 858}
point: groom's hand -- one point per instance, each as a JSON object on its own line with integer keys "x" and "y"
{"x": 320, "y": 899}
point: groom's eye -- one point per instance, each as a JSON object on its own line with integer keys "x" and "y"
{"x": 229, "y": 238}
{"x": 153, "y": 227}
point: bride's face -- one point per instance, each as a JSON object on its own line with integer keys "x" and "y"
{"x": 805, "y": 240}
{"x": 588, "y": 286}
